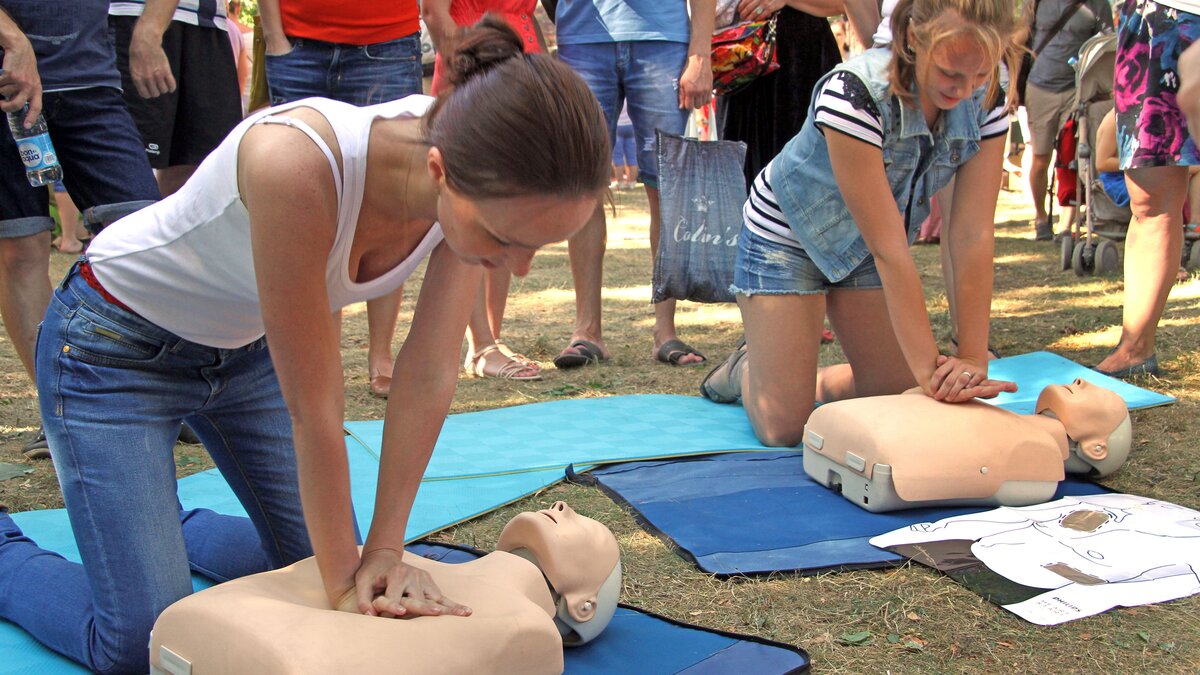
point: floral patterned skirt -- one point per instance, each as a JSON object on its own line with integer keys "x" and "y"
{"x": 1151, "y": 130}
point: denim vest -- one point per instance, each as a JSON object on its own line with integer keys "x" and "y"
{"x": 918, "y": 163}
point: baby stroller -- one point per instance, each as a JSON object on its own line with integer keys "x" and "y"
{"x": 1089, "y": 246}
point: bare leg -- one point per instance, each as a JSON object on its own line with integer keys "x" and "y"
{"x": 586, "y": 250}
{"x": 664, "y": 312}
{"x": 876, "y": 363}
{"x": 24, "y": 291}
{"x": 1152, "y": 251}
{"x": 1038, "y": 185}
{"x": 72, "y": 225}
{"x": 172, "y": 178}
{"x": 779, "y": 378}
{"x": 382, "y": 313}
{"x": 496, "y": 291}
{"x": 483, "y": 329}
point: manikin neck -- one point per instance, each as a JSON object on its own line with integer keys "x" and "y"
{"x": 1055, "y": 428}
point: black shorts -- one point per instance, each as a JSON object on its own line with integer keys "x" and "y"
{"x": 182, "y": 127}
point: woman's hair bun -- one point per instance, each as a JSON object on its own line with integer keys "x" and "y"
{"x": 481, "y": 47}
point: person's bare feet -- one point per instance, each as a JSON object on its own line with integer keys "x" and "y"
{"x": 70, "y": 246}
{"x": 491, "y": 361}
{"x": 676, "y": 352}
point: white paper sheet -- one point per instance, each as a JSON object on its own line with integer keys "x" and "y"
{"x": 1092, "y": 553}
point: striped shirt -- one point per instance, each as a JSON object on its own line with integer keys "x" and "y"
{"x": 203, "y": 13}
{"x": 843, "y": 104}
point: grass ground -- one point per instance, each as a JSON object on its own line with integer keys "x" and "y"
{"x": 915, "y": 620}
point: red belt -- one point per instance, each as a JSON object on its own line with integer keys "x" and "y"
{"x": 85, "y": 271}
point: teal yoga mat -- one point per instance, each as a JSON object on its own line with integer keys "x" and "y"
{"x": 556, "y": 434}
{"x": 439, "y": 504}
{"x": 1033, "y": 371}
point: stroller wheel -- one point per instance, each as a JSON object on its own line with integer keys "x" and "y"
{"x": 1081, "y": 267}
{"x": 1106, "y": 260}
{"x": 1067, "y": 244}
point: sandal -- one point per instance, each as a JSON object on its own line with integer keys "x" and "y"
{"x": 672, "y": 352}
{"x": 723, "y": 384}
{"x": 579, "y": 353}
{"x": 513, "y": 368}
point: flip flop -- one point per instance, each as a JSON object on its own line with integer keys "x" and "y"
{"x": 672, "y": 351}
{"x": 585, "y": 353}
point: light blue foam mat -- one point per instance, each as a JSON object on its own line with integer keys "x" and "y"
{"x": 439, "y": 504}
{"x": 1033, "y": 371}
{"x": 742, "y": 514}
{"x": 634, "y": 640}
{"x": 556, "y": 434}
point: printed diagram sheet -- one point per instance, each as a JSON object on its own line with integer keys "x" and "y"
{"x": 1090, "y": 554}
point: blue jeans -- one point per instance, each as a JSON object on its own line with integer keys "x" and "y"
{"x": 113, "y": 390}
{"x": 101, "y": 154}
{"x": 625, "y": 146}
{"x": 646, "y": 75}
{"x": 355, "y": 74}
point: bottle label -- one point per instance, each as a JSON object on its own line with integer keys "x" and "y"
{"x": 37, "y": 152}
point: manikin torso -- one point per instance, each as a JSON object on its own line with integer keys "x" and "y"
{"x": 928, "y": 443}
{"x": 280, "y": 622}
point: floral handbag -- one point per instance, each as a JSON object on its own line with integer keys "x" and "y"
{"x": 741, "y": 53}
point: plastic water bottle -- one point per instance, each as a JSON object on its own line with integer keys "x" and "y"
{"x": 36, "y": 150}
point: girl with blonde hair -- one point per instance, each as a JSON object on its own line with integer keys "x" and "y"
{"x": 828, "y": 224}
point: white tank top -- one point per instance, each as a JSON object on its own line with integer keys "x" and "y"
{"x": 185, "y": 262}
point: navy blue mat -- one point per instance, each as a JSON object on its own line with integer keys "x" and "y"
{"x": 758, "y": 513}
{"x": 635, "y": 641}
{"x": 642, "y": 642}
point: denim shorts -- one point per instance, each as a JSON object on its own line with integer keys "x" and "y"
{"x": 355, "y": 74}
{"x": 101, "y": 155}
{"x": 644, "y": 74}
{"x": 767, "y": 267}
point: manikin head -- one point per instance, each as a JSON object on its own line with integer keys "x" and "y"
{"x": 1097, "y": 425}
{"x": 580, "y": 560}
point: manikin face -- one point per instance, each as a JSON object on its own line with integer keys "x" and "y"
{"x": 1095, "y": 419}
{"x": 579, "y": 558}
{"x": 572, "y": 541}
{"x": 1088, "y": 410}
{"x": 950, "y": 71}
{"x": 505, "y": 233}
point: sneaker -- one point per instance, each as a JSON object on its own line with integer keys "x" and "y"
{"x": 723, "y": 384}
{"x": 1043, "y": 231}
{"x": 38, "y": 448}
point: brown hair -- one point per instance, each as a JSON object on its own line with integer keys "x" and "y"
{"x": 991, "y": 23}
{"x": 516, "y": 124}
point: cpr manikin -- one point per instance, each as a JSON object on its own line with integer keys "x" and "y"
{"x": 886, "y": 453}
{"x": 559, "y": 585}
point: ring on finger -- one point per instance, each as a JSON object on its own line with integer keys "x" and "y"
{"x": 758, "y": 10}
{"x": 968, "y": 373}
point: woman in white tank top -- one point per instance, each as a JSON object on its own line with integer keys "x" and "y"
{"x": 169, "y": 320}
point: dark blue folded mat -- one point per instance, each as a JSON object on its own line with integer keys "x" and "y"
{"x": 638, "y": 641}
{"x": 758, "y": 513}
{"x": 634, "y": 641}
